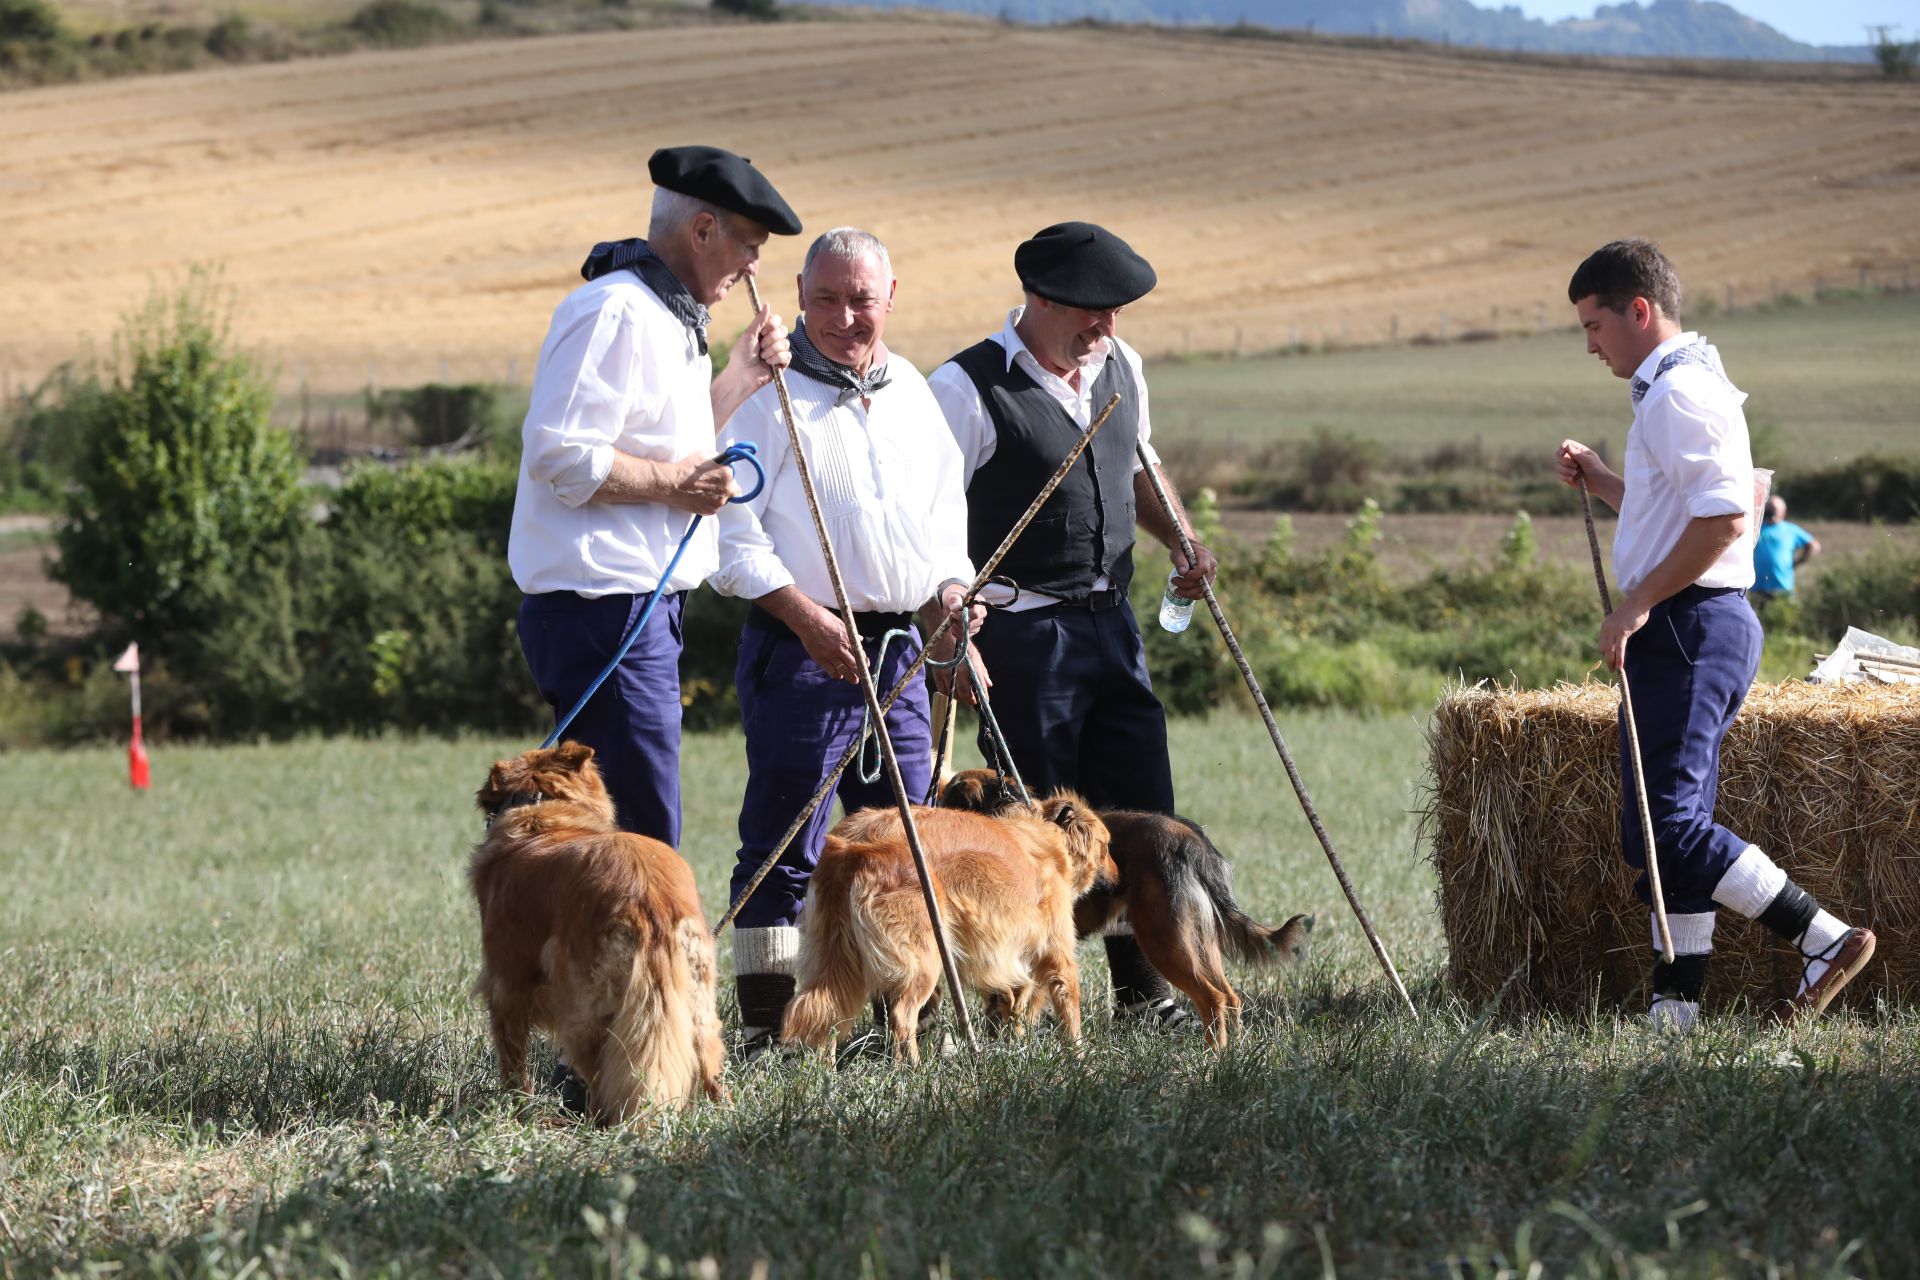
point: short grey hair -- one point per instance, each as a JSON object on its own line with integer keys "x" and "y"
{"x": 672, "y": 211}
{"x": 849, "y": 244}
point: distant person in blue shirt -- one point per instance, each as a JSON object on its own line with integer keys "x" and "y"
{"x": 1780, "y": 548}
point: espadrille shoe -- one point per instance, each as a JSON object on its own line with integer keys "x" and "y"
{"x": 1844, "y": 960}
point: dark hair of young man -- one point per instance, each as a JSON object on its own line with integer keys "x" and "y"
{"x": 1617, "y": 273}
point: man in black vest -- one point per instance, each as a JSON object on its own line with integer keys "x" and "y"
{"x": 1063, "y": 656}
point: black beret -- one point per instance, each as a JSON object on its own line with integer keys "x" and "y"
{"x": 1080, "y": 265}
{"x": 724, "y": 179}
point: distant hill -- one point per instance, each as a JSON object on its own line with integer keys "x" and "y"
{"x": 1661, "y": 28}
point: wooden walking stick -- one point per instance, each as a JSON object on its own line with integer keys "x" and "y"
{"x": 1273, "y": 731}
{"x": 1633, "y": 740}
{"x": 877, "y": 715}
{"x": 980, "y": 580}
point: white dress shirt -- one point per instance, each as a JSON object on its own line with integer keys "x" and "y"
{"x": 973, "y": 428}
{"x": 1687, "y": 457}
{"x": 617, "y": 373}
{"x": 890, "y": 487}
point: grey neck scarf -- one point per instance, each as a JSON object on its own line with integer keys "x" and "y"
{"x": 808, "y": 360}
{"x": 1693, "y": 353}
{"x": 633, "y": 255}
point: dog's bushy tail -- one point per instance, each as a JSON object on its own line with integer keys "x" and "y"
{"x": 1206, "y": 871}
{"x": 649, "y": 1057}
{"x": 830, "y": 984}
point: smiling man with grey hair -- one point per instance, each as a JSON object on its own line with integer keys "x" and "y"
{"x": 888, "y": 476}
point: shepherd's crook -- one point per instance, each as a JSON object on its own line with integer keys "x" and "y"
{"x": 981, "y": 578}
{"x": 1633, "y": 741}
{"x": 1273, "y": 731}
{"x": 877, "y": 714}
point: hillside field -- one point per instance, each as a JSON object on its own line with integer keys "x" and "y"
{"x": 409, "y": 216}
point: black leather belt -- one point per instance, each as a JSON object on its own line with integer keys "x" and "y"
{"x": 1098, "y": 601}
{"x": 872, "y": 626}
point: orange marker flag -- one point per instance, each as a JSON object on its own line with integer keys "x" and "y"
{"x": 137, "y": 773}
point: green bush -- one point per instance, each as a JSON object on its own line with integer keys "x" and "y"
{"x": 762, "y": 10}
{"x": 30, "y": 22}
{"x": 1879, "y": 591}
{"x": 411, "y": 505}
{"x": 402, "y": 23}
{"x": 1872, "y": 487}
{"x": 438, "y": 415}
{"x": 179, "y": 475}
{"x": 39, "y": 453}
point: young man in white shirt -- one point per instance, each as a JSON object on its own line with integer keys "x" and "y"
{"x": 618, "y": 455}
{"x": 888, "y": 477}
{"x": 1682, "y": 630}
{"x": 1064, "y": 658}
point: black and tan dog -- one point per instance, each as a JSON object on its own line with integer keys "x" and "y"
{"x": 1176, "y": 891}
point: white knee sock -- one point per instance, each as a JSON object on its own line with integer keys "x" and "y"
{"x": 1751, "y": 884}
{"x": 1818, "y": 940}
{"x": 759, "y": 953}
{"x": 1692, "y": 936}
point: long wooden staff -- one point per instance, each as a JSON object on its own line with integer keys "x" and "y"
{"x": 1273, "y": 731}
{"x": 875, "y": 712}
{"x": 980, "y": 580}
{"x": 1633, "y": 741}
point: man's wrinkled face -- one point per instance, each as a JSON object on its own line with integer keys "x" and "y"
{"x": 725, "y": 248}
{"x": 846, "y": 302}
{"x": 1617, "y": 338}
{"x": 1071, "y": 335}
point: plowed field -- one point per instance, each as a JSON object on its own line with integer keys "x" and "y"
{"x": 413, "y": 215}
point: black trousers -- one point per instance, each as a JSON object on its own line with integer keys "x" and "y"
{"x": 1071, "y": 693}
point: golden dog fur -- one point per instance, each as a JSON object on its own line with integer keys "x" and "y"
{"x": 1176, "y": 892}
{"x": 1006, "y": 888}
{"x": 594, "y": 935}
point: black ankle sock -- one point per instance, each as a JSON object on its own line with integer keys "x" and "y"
{"x": 763, "y": 998}
{"x": 1134, "y": 979}
{"x": 1684, "y": 979}
{"x": 1790, "y": 912}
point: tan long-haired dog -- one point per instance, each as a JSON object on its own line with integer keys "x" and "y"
{"x": 594, "y": 935}
{"x": 1175, "y": 890}
{"x": 1006, "y": 887}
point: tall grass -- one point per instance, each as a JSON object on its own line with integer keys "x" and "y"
{"x": 235, "y": 1038}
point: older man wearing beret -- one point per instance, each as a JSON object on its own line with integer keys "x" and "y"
{"x": 619, "y": 449}
{"x": 1063, "y": 657}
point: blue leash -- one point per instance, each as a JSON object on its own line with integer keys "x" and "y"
{"x": 732, "y": 455}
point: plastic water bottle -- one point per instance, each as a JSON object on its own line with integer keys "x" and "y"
{"x": 1175, "y": 611}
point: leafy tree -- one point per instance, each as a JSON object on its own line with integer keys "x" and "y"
{"x": 180, "y": 476}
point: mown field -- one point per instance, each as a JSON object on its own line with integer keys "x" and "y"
{"x": 235, "y": 1040}
{"x": 407, "y": 216}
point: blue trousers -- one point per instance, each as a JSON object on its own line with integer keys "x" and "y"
{"x": 799, "y": 722}
{"x": 1072, "y": 695}
{"x": 1689, "y": 669}
{"x": 633, "y": 722}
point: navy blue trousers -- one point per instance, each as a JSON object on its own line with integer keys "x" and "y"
{"x": 633, "y": 722}
{"x": 1072, "y": 695}
{"x": 1689, "y": 669}
{"x": 799, "y": 722}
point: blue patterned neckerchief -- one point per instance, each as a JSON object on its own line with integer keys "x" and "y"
{"x": 633, "y": 255}
{"x": 1693, "y": 353}
{"x": 808, "y": 360}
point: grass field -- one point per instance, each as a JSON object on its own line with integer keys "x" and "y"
{"x": 382, "y": 213}
{"x": 235, "y": 1040}
{"x": 1825, "y": 384}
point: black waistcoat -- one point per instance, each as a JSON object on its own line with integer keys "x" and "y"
{"x": 1086, "y": 527}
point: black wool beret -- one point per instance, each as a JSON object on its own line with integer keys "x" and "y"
{"x": 1080, "y": 265}
{"x": 724, "y": 179}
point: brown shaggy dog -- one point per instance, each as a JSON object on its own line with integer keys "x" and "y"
{"x": 594, "y": 935}
{"x": 1006, "y": 887}
{"x": 1175, "y": 889}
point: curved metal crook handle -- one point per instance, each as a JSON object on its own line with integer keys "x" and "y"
{"x": 745, "y": 451}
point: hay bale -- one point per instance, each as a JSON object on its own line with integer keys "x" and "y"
{"x": 1523, "y": 822}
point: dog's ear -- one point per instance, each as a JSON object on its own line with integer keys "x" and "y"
{"x": 572, "y": 755}
{"x": 498, "y": 784}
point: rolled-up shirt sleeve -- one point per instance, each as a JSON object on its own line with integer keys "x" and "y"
{"x": 579, "y": 406}
{"x": 1706, "y": 458}
{"x": 749, "y": 565}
